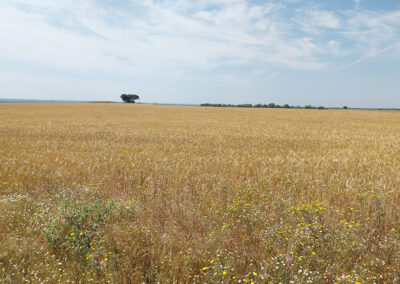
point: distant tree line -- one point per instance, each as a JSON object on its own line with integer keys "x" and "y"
{"x": 270, "y": 105}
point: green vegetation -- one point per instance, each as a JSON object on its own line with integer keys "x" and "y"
{"x": 130, "y": 98}
{"x": 270, "y": 105}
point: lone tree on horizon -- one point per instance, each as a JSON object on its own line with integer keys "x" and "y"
{"x": 129, "y": 98}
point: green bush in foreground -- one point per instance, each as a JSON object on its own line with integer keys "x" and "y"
{"x": 77, "y": 226}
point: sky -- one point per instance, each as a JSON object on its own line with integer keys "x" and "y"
{"x": 326, "y": 52}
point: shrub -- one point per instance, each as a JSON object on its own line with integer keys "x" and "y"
{"x": 77, "y": 226}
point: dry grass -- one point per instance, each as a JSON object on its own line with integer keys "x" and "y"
{"x": 198, "y": 194}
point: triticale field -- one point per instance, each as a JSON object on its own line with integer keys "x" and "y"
{"x": 133, "y": 193}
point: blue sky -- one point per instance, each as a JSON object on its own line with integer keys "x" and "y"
{"x": 331, "y": 52}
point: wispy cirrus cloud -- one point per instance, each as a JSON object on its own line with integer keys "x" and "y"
{"x": 165, "y": 37}
{"x": 315, "y": 20}
{"x": 374, "y": 35}
{"x": 151, "y": 35}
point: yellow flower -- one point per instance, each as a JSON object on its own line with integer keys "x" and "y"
{"x": 212, "y": 261}
{"x": 313, "y": 253}
{"x": 204, "y": 268}
{"x": 106, "y": 259}
{"x": 224, "y": 273}
{"x": 255, "y": 273}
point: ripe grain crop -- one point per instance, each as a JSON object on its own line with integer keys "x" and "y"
{"x": 143, "y": 193}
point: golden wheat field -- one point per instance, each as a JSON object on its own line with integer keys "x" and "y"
{"x": 132, "y": 193}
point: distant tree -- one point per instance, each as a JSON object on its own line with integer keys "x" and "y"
{"x": 286, "y": 106}
{"x": 245, "y": 105}
{"x": 271, "y": 105}
{"x": 129, "y": 98}
{"x": 344, "y": 107}
{"x": 321, "y": 107}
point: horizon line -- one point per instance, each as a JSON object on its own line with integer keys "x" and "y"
{"x": 8, "y": 100}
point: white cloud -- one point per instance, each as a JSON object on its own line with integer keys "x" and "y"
{"x": 161, "y": 38}
{"x": 315, "y": 21}
{"x": 143, "y": 38}
{"x": 375, "y": 34}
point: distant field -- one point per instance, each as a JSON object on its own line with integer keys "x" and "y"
{"x": 145, "y": 193}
